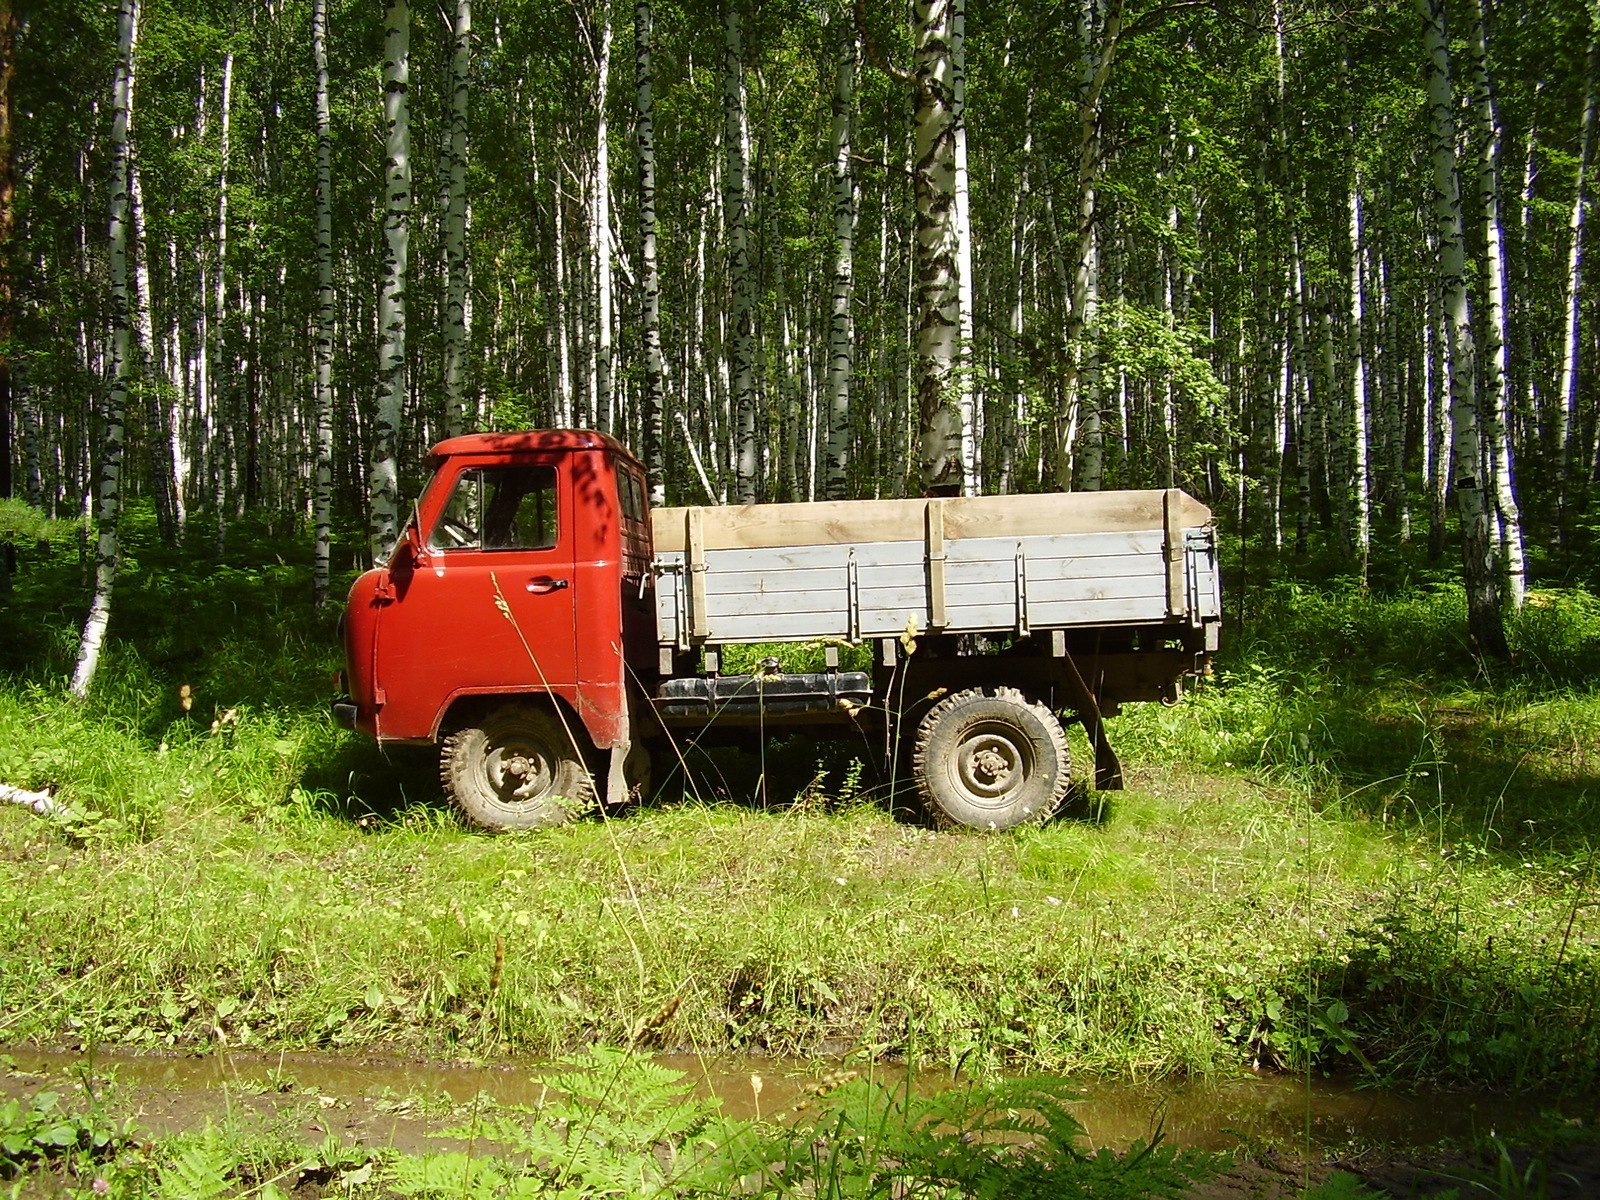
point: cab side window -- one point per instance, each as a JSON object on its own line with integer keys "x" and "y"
{"x": 631, "y": 492}
{"x": 499, "y": 508}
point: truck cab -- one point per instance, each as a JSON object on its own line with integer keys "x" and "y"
{"x": 523, "y": 576}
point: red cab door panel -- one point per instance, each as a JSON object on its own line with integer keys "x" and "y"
{"x": 489, "y": 605}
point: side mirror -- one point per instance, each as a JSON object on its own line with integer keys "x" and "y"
{"x": 411, "y": 552}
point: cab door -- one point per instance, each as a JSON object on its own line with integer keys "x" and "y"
{"x": 486, "y": 603}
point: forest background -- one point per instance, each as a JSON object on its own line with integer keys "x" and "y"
{"x": 1320, "y": 263}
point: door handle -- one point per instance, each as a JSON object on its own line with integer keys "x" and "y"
{"x": 541, "y": 585}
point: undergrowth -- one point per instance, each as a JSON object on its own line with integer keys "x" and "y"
{"x": 1355, "y": 848}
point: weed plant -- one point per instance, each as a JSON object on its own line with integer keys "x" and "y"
{"x": 1356, "y": 848}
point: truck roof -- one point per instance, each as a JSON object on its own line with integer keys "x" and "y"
{"x": 532, "y": 439}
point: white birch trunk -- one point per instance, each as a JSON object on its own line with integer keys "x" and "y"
{"x": 1477, "y": 549}
{"x": 384, "y": 476}
{"x": 971, "y": 412}
{"x": 218, "y": 433}
{"x": 1494, "y": 364}
{"x": 938, "y": 334}
{"x": 741, "y": 274}
{"x": 1435, "y": 457}
{"x": 1569, "y": 427}
{"x": 841, "y": 325}
{"x": 566, "y": 408}
{"x": 600, "y": 237}
{"x": 109, "y": 492}
{"x": 322, "y": 339}
{"x": 158, "y": 436}
{"x": 1099, "y": 30}
{"x": 653, "y": 400}
{"x": 1359, "y": 433}
{"x": 1090, "y": 471}
{"x": 457, "y": 418}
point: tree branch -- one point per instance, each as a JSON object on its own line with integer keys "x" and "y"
{"x": 874, "y": 52}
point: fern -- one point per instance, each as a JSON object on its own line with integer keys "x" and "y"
{"x": 612, "y": 1125}
{"x": 451, "y": 1175}
{"x": 199, "y": 1172}
{"x": 1014, "y": 1139}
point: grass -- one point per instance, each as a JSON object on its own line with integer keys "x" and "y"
{"x": 1356, "y": 850}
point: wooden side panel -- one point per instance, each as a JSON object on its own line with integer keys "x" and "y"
{"x": 800, "y": 592}
{"x": 858, "y": 522}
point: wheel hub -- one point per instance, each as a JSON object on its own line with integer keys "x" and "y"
{"x": 520, "y": 774}
{"x": 990, "y": 766}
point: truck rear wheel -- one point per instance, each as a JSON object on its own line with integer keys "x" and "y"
{"x": 516, "y": 768}
{"x": 991, "y": 759}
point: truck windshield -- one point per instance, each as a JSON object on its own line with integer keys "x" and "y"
{"x": 499, "y": 508}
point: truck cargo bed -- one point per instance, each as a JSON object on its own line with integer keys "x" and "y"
{"x": 870, "y": 569}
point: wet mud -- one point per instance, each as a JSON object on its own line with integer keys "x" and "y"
{"x": 1284, "y": 1134}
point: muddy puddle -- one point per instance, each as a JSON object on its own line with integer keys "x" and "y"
{"x": 395, "y": 1102}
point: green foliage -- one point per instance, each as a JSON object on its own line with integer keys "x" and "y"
{"x": 611, "y": 1124}
{"x": 198, "y": 1170}
{"x": 1341, "y": 1185}
{"x": 1013, "y": 1138}
{"x": 20, "y": 523}
{"x": 1512, "y": 1176}
{"x": 41, "y": 1129}
{"x": 616, "y": 1124}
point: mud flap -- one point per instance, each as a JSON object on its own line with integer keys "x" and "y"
{"x": 1107, "y": 766}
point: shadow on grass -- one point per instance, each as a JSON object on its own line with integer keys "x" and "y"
{"x": 1427, "y": 997}
{"x": 1510, "y": 787}
{"x": 361, "y": 779}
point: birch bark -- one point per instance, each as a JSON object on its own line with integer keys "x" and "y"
{"x": 458, "y": 414}
{"x": 322, "y": 339}
{"x": 1358, "y": 431}
{"x": 653, "y": 401}
{"x": 938, "y": 296}
{"x": 841, "y": 325}
{"x": 1494, "y": 364}
{"x": 1099, "y": 32}
{"x": 741, "y": 273}
{"x": 971, "y": 413}
{"x": 600, "y": 237}
{"x": 109, "y": 493}
{"x": 8, "y": 64}
{"x": 1477, "y": 549}
{"x": 1569, "y": 416}
{"x": 384, "y": 476}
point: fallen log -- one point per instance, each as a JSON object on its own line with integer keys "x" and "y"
{"x": 42, "y": 803}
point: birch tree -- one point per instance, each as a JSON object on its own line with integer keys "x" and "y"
{"x": 1495, "y": 369}
{"x": 459, "y": 415}
{"x": 8, "y": 62}
{"x": 600, "y": 234}
{"x": 1477, "y": 548}
{"x": 741, "y": 271}
{"x": 653, "y": 401}
{"x": 841, "y": 322}
{"x": 322, "y": 341}
{"x": 938, "y": 332}
{"x": 384, "y": 477}
{"x": 1569, "y": 433}
{"x": 109, "y": 492}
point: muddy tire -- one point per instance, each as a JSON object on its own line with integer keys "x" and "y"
{"x": 991, "y": 759}
{"x": 516, "y": 768}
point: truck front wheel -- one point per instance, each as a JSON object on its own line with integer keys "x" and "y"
{"x": 991, "y": 759}
{"x": 516, "y": 768}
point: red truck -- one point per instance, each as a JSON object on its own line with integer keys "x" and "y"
{"x": 549, "y": 630}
